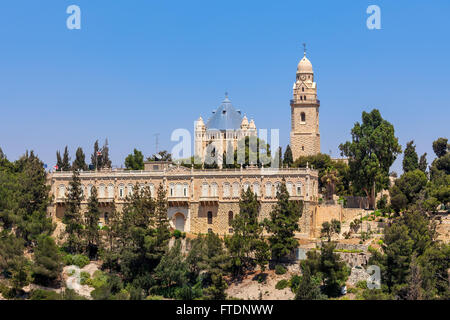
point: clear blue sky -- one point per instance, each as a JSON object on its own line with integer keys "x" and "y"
{"x": 137, "y": 68}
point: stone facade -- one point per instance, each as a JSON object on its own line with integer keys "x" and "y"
{"x": 199, "y": 200}
{"x": 305, "y": 135}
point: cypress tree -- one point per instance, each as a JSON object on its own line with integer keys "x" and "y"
{"x": 92, "y": 218}
{"x": 283, "y": 224}
{"x": 96, "y": 160}
{"x": 288, "y": 158}
{"x": 106, "y": 162}
{"x": 79, "y": 163}
{"x": 410, "y": 158}
{"x": 247, "y": 246}
{"x": 65, "y": 164}
{"x": 423, "y": 164}
{"x": 72, "y": 216}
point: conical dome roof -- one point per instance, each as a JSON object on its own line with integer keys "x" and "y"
{"x": 304, "y": 66}
{"x": 225, "y": 117}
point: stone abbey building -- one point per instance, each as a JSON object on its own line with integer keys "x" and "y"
{"x": 203, "y": 200}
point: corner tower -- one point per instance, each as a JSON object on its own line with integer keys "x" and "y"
{"x": 305, "y": 136}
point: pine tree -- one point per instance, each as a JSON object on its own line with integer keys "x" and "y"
{"x": 410, "y": 158}
{"x": 79, "y": 163}
{"x": 135, "y": 160}
{"x": 73, "y": 216}
{"x": 91, "y": 231}
{"x": 47, "y": 261}
{"x": 2, "y": 155}
{"x": 288, "y": 158}
{"x": 423, "y": 164}
{"x": 283, "y": 224}
{"x": 414, "y": 290}
{"x": 65, "y": 164}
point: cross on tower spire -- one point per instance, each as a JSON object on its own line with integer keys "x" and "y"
{"x": 304, "y": 49}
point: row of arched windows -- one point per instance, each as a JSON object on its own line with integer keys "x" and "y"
{"x": 106, "y": 191}
{"x": 230, "y": 190}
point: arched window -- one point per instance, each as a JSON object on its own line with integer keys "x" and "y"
{"x": 230, "y": 218}
{"x": 101, "y": 191}
{"x": 226, "y": 190}
{"x": 303, "y": 89}
{"x": 179, "y": 190}
{"x": 246, "y": 186}
{"x": 268, "y": 190}
{"x": 299, "y": 189}
{"x": 301, "y": 98}
{"x": 256, "y": 188}
{"x": 110, "y": 191}
{"x": 106, "y": 217}
{"x": 152, "y": 189}
{"x": 210, "y": 217}
{"x": 303, "y": 117}
{"x": 171, "y": 189}
{"x": 89, "y": 190}
{"x": 130, "y": 190}
{"x": 205, "y": 190}
{"x": 236, "y": 190}
{"x": 277, "y": 186}
{"x": 185, "y": 190}
{"x": 304, "y": 98}
{"x": 62, "y": 191}
{"x": 121, "y": 191}
{"x": 289, "y": 188}
{"x": 214, "y": 190}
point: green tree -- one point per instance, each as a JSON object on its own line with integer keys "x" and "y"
{"x": 288, "y": 158}
{"x": 47, "y": 261}
{"x": 371, "y": 153}
{"x": 135, "y": 161}
{"x": 91, "y": 228}
{"x": 79, "y": 163}
{"x": 65, "y": 162}
{"x": 309, "y": 287}
{"x": 328, "y": 229}
{"x": 330, "y": 179}
{"x": 73, "y": 217}
{"x": 410, "y": 158}
{"x": 328, "y": 267}
{"x": 2, "y": 155}
{"x": 283, "y": 224}
{"x": 440, "y": 147}
{"x": 245, "y": 242}
{"x": 407, "y": 189}
{"x": 106, "y": 162}
{"x": 96, "y": 157}
{"x": 59, "y": 162}
{"x": 171, "y": 272}
{"x": 423, "y": 164}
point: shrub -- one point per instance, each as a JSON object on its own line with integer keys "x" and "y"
{"x": 279, "y": 269}
{"x": 154, "y": 298}
{"x": 84, "y": 277}
{"x": 78, "y": 259}
{"x": 176, "y": 234}
{"x": 44, "y": 295}
{"x": 294, "y": 282}
{"x": 281, "y": 284}
{"x": 361, "y": 284}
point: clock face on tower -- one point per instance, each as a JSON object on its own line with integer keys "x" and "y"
{"x": 303, "y": 77}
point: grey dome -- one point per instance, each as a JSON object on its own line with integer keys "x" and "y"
{"x": 226, "y": 117}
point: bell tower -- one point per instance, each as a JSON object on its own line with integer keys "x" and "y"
{"x": 305, "y": 136}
